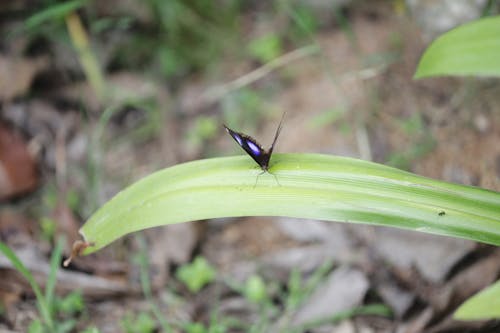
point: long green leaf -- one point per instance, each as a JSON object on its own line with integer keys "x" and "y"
{"x": 482, "y": 306}
{"x": 302, "y": 185}
{"x": 471, "y": 49}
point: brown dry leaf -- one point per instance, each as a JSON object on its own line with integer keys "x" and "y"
{"x": 16, "y": 75}
{"x": 15, "y": 228}
{"x": 17, "y": 166}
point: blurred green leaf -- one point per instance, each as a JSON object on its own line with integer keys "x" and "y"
{"x": 266, "y": 48}
{"x": 54, "y": 12}
{"x": 471, "y": 49}
{"x": 196, "y": 274}
{"x": 195, "y": 328}
{"x": 204, "y": 129}
{"x": 255, "y": 289}
{"x": 91, "y": 330}
{"x": 71, "y": 303}
{"x": 48, "y": 228}
{"x": 326, "y": 118}
{"x": 483, "y": 306}
{"x": 36, "y": 326}
{"x": 142, "y": 323}
{"x": 55, "y": 262}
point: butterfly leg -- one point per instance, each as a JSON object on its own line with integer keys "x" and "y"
{"x": 276, "y": 178}
{"x": 257, "y": 179}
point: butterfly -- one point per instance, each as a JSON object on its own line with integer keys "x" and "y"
{"x": 253, "y": 148}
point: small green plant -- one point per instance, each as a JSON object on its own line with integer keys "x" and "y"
{"x": 276, "y": 308}
{"x": 142, "y": 260}
{"x": 142, "y": 323}
{"x": 195, "y": 328}
{"x": 197, "y": 274}
{"x": 422, "y": 143}
{"x": 205, "y": 128}
{"x": 255, "y": 289}
{"x": 266, "y": 48}
{"x": 56, "y": 314}
{"x": 48, "y": 228}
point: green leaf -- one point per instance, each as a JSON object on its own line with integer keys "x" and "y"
{"x": 195, "y": 328}
{"x": 53, "y": 12}
{"x": 310, "y": 186}
{"x": 255, "y": 289}
{"x": 266, "y": 48}
{"x": 71, "y": 303}
{"x": 482, "y": 306}
{"x": 197, "y": 274}
{"x": 471, "y": 49}
{"x": 35, "y": 326}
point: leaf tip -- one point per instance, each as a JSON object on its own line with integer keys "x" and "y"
{"x": 78, "y": 247}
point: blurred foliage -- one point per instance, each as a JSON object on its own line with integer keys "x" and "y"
{"x": 204, "y": 129}
{"x": 197, "y": 274}
{"x": 141, "y": 323}
{"x": 175, "y": 37}
{"x": 266, "y": 48}
{"x": 422, "y": 143}
{"x": 255, "y": 289}
{"x": 182, "y": 36}
{"x": 326, "y": 118}
{"x": 52, "y": 13}
{"x": 57, "y": 314}
{"x": 48, "y": 228}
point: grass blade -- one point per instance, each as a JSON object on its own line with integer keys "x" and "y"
{"x": 53, "y": 12}
{"x": 310, "y": 186}
{"x": 41, "y": 301}
{"x": 55, "y": 261}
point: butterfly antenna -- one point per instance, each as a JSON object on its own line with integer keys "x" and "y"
{"x": 278, "y": 130}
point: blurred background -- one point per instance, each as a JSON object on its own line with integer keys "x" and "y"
{"x": 95, "y": 95}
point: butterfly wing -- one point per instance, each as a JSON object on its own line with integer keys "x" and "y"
{"x": 251, "y": 147}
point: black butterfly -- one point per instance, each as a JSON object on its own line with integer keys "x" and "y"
{"x": 253, "y": 148}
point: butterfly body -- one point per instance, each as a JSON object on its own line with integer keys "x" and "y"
{"x": 260, "y": 155}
